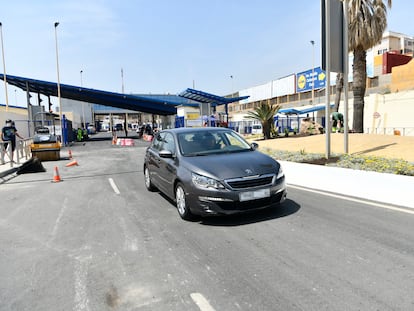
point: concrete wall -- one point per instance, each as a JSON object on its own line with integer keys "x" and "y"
{"x": 19, "y": 116}
{"x": 403, "y": 77}
{"x": 385, "y": 113}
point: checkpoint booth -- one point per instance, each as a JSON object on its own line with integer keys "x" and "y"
{"x": 201, "y": 110}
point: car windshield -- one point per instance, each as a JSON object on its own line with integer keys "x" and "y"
{"x": 207, "y": 142}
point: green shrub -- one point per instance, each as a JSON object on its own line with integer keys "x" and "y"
{"x": 377, "y": 164}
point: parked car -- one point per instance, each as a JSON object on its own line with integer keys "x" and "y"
{"x": 212, "y": 171}
{"x": 104, "y": 127}
{"x": 91, "y": 129}
{"x": 118, "y": 127}
{"x": 257, "y": 129}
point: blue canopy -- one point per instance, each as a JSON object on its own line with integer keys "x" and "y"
{"x": 204, "y": 97}
{"x": 142, "y": 103}
{"x": 303, "y": 109}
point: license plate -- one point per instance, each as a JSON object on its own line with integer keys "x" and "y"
{"x": 253, "y": 195}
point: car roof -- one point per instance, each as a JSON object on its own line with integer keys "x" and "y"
{"x": 200, "y": 130}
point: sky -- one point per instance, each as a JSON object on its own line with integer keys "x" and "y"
{"x": 165, "y": 46}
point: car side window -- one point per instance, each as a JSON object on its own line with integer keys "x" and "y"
{"x": 234, "y": 142}
{"x": 168, "y": 143}
{"x": 157, "y": 142}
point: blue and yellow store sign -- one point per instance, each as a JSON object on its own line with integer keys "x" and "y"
{"x": 305, "y": 80}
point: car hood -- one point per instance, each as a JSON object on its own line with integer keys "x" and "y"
{"x": 232, "y": 165}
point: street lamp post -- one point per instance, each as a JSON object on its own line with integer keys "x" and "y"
{"x": 58, "y": 84}
{"x": 313, "y": 70}
{"x": 4, "y": 67}
{"x": 227, "y": 105}
{"x": 83, "y": 104}
{"x": 122, "y": 81}
{"x": 313, "y": 75}
{"x": 232, "y": 86}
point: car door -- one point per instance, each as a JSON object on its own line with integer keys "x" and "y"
{"x": 153, "y": 158}
{"x": 167, "y": 165}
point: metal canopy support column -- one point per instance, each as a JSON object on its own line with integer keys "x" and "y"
{"x": 332, "y": 52}
{"x": 29, "y": 108}
{"x": 346, "y": 69}
{"x": 328, "y": 79}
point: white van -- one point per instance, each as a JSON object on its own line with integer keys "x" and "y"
{"x": 257, "y": 129}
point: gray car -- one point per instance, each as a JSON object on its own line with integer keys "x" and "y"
{"x": 212, "y": 171}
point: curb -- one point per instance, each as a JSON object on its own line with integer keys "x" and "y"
{"x": 380, "y": 187}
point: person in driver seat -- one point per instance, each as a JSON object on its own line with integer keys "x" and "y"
{"x": 209, "y": 141}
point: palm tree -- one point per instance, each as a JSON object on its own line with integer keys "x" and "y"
{"x": 367, "y": 22}
{"x": 264, "y": 113}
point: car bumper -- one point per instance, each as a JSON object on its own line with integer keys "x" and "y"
{"x": 205, "y": 202}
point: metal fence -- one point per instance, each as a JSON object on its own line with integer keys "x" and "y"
{"x": 21, "y": 154}
{"x": 399, "y": 131}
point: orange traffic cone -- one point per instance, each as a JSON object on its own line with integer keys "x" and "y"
{"x": 70, "y": 154}
{"x": 56, "y": 176}
{"x": 73, "y": 163}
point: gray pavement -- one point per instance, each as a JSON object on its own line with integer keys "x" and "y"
{"x": 379, "y": 187}
{"x": 8, "y": 169}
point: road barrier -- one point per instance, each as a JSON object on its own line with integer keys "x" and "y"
{"x": 125, "y": 142}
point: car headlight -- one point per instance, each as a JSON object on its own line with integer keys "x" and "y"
{"x": 280, "y": 174}
{"x": 206, "y": 182}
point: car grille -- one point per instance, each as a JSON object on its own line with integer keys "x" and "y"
{"x": 243, "y": 183}
{"x": 251, "y": 205}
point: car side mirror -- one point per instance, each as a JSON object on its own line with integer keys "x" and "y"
{"x": 166, "y": 154}
{"x": 254, "y": 146}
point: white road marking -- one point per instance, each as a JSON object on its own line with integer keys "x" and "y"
{"x": 393, "y": 208}
{"x": 62, "y": 211}
{"x": 113, "y": 185}
{"x": 201, "y": 302}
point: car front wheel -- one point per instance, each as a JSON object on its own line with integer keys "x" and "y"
{"x": 180, "y": 199}
{"x": 148, "y": 182}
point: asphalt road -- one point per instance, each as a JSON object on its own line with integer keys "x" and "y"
{"x": 98, "y": 240}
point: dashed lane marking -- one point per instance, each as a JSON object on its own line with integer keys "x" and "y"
{"x": 113, "y": 185}
{"x": 201, "y": 302}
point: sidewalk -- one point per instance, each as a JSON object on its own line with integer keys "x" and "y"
{"x": 22, "y": 154}
{"x": 379, "y": 187}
